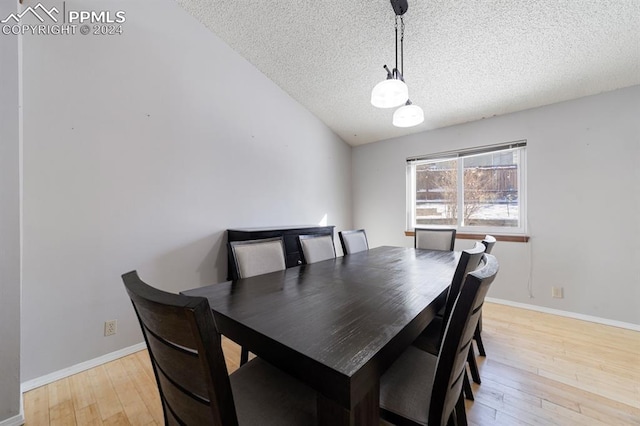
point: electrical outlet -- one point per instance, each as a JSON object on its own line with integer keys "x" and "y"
{"x": 557, "y": 293}
{"x": 110, "y": 327}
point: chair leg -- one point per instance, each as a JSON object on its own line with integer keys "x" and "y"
{"x": 244, "y": 356}
{"x": 477, "y": 336}
{"x": 473, "y": 366}
{"x": 466, "y": 387}
{"x": 461, "y": 413}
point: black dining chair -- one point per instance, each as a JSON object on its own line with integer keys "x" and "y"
{"x": 257, "y": 257}
{"x": 425, "y": 389}
{"x": 316, "y": 247}
{"x": 430, "y": 339}
{"x": 195, "y": 388}
{"x": 489, "y": 241}
{"x": 353, "y": 241}
{"x": 434, "y": 238}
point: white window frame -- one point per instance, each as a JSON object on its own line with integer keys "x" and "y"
{"x": 412, "y": 162}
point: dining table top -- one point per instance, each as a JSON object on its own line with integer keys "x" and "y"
{"x": 336, "y": 325}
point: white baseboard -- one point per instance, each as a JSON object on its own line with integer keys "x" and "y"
{"x": 598, "y": 320}
{"x": 75, "y": 369}
{"x": 14, "y": 421}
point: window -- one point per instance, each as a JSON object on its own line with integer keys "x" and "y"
{"x": 478, "y": 190}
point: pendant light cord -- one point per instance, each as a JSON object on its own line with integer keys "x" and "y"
{"x": 401, "y": 69}
{"x": 396, "y": 68}
{"x": 401, "y": 44}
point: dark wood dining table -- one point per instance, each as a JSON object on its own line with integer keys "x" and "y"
{"x": 336, "y": 325}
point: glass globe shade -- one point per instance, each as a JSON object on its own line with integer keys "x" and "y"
{"x": 389, "y": 93}
{"x": 408, "y": 116}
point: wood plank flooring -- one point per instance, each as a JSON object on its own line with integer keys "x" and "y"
{"x": 541, "y": 369}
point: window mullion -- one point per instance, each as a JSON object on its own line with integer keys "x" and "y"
{"x": 411, "y": 196}
{"x": 460, "y": 192}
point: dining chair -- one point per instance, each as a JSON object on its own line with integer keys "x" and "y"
{"x": 434, "y": 238}
{"x": 430, "y": 340}
{"x": 257, "y": 257}
{"x": 317, "y": 247}
{"x": 426, "y": 389}
{"x": 353, "y": 241}
{"x": 195, "y": 389}
{"x": 489, "y": 241}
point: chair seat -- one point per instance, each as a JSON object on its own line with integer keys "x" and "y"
{"x": 429, "y": 339}
{"x": 264, "y": 395}
{"x": 405, "y": 388}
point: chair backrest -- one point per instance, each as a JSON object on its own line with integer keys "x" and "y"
{"x": 186, "y": 353}
{"x": 434, "y": 238}
{"x": 448, "y": 379}
{"x": 353, "y": 241}
{"x": 469, "y": 261}
{"x": 257, "y": 257}
{"x": 317, "y": 247}
{"x": 489, "y": 241}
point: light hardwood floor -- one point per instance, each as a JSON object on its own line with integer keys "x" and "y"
{"x": 541, "y": 369}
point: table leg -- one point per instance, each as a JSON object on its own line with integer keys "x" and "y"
{"x": 365, "y": 413}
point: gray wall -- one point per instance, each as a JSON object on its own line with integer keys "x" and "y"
{"x": 9, "y": 223}
{"x": 140, "y": 150}
{"x": 583, "y": 201}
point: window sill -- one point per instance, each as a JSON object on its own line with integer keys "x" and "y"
{"x": 479, "y": 237}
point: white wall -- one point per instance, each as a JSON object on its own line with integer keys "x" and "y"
{"x": 140, "y": 150}
{"x": 583, "y": 200}
{"x": 9, "y": 225}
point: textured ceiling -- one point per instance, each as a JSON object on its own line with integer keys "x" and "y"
{"x": 464, "y": 60}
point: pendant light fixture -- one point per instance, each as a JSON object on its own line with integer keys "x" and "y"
{"x": 393, "y": 91}
{"x": 408, "y": 115}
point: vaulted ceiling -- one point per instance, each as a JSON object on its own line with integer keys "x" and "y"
{"x": 464, "y": 60}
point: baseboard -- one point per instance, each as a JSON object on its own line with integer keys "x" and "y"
{"x": 75, "y": 369}
{"x": 598, "y": 320}
{"x": 14, "y": 421}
